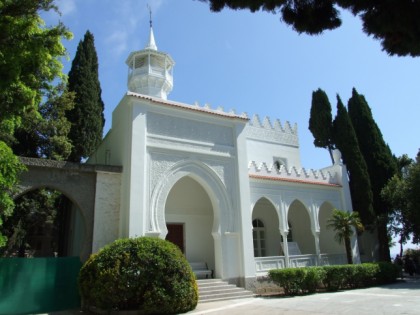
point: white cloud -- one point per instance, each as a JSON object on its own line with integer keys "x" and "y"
{"x": 117, "y": 41}
{"x": 66, "y": 7}
{"x": 127, "y": 25}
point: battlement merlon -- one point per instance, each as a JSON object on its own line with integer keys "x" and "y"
{"x": 272, "y": 132}
{"x": 330, "y": 176}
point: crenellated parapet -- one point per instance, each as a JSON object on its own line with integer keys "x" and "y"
{"x": 275, "y": 132}
{"x": 327, "y": 176}
{"x": 220, "y": 111}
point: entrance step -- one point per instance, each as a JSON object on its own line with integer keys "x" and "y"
{"x": 217, "y": 290}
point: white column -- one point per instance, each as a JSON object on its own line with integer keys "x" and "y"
{"x": 285, "y": 247}
{"x": 317, "y": 249}
{"x": 244, "y": 203}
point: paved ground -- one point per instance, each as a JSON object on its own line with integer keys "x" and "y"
{"x": 399, "y": 298}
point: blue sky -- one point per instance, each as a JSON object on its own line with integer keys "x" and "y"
{"x": 252, "y": 62}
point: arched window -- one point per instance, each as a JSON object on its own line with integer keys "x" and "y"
{"x": 258, "y": 235}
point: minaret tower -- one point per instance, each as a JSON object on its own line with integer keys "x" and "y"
{"x": 149, "y": 70}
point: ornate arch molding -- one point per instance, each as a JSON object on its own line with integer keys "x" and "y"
{"x": 208, "y": 179}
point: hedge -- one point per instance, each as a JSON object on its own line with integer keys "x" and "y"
{"x": 332, "y": 278}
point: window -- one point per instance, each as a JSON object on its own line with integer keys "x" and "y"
{"x": 258, "y": 235}
{"x": 279, "y": 162}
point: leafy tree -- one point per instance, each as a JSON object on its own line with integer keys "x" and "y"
{"x": 402, "y": 194}
{"x": 346, "y": 141}
{"x": 394, "y": 193}
{"x": 343, "y": 222}
{"x": 44, "y": 134}
{"x": 379, "y": 160}
{"x": 87, "y": 118}
{"x": 29, "y": 58}
{"x": 34, "y": 215}
{"x": 10, "y": 168}
{"x": 320, "y": 121}
{"x": 30, "y": 64}
{"x": 413, "y": 196}
{"x": 396, "y": 23}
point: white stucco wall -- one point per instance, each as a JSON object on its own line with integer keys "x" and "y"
{"x": 107, "y": 209}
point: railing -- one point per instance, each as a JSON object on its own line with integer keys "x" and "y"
{"x": 264, "y": 264}
{"x": 151, "y": 70}
{"x": 333, "y": 259}
{"x": 296, "y": 261}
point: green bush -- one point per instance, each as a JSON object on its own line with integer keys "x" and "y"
{"x": 297, "y": 280}
{"x": 290, "y": 279}
{"x": 333, "y": 278}
{"x": 313, "y": 278}
{"x": 146, "y": 274}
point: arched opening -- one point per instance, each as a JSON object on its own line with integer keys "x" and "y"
{"x": 189, "y": 219}
{"x": 298, "y": 217}
{"x": 45, "y": 223}
{"x": 266, "y": 233}
{"x": 327, "y": 242}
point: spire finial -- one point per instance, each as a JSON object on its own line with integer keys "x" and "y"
{"x": 151, "y": 44}
{"x": 150, "y": 15}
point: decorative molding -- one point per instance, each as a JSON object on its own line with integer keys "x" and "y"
{"x": 167, "y": 143}
{"x": 186, "y": 129}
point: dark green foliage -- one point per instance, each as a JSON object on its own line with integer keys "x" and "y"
{"x": 387, "y": 273}
{"x": 34, "y": 219}
{"x": 333, "y": 278}
{"x": 30, "y": 64}
{"x": 44, "y": 133}
{"x": 402, "y": 195}
{"x": 395, "y": 23}
{"x": 379, "y": 160}
{"x": 87, "y": 118}
{"x": 147, "y": 274}
{"x": 346, "y": 141}
{"x": 413, "y": 196}
{"x": 320, "y": 121}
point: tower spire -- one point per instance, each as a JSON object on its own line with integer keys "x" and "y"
{"x": 150, "y": 72}
{"x": 150, "y": 15}
{"x": 151, "y": 44}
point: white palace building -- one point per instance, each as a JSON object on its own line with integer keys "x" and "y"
{"x": 229, "y": 190}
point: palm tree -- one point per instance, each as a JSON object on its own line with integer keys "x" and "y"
{"x": 344, "y": 223}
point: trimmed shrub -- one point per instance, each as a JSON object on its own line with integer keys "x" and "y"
{"x": 146, "y": 274}
{"x": 333, "y": 279}
{"x": 297, "y": 280}
{"x": 313, "y": 278}
{"x": 290, "y": 279}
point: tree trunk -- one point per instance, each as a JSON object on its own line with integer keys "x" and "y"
{"x": 348, "y": 251}
{"x": 384, "y": 254}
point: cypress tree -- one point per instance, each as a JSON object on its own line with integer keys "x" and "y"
{"x": 320, "y": 121}
{"x": 379, "y": 160}
{"x": 346, "y": 141}
{"x": 87, "y": 116}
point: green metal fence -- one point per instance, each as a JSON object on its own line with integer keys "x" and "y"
{"x": 38, "y": 285}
